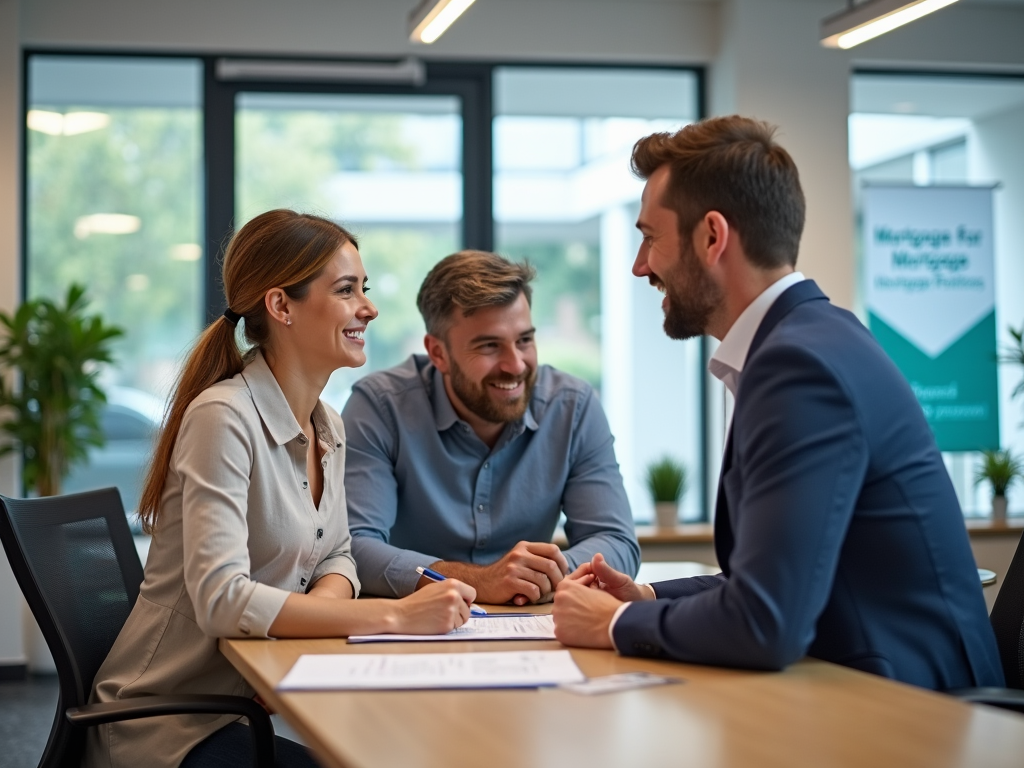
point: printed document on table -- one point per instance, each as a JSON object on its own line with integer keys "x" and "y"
{"x": 405, "y": 671}
{"x": 492, "y": 627}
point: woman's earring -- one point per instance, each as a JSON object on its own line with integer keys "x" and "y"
{"x": 288, "y": 321}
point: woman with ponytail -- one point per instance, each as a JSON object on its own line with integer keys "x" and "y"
{"x": 246, "y": 502}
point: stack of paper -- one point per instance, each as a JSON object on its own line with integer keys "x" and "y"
{"x": 404, "y": 671}
{"x": 491, "y": 627}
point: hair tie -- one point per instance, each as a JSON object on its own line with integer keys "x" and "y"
{"x": 232, "y": 317}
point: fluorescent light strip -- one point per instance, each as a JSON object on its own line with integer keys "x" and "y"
{"x": 431, "y": 18}
{"x": 887, "y": 17}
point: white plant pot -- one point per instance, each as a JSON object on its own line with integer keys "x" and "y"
{"x": 666, "y": 514}
{"x": 999, "y": 508}
{"x": 37, "y": 653}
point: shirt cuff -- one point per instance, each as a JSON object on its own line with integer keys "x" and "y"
{"x": 623, "y": 607}
{"x": 611, "y": 624}
{"x": 341, "y": 565}
{"x": 264, "y": 604}
{"x": 401, "y": 573}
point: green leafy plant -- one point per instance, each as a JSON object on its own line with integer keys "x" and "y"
{"x": 666, "y": 480}
{"x": 55, "y": 416}
{"x": 1000, "y": 469}
{"x": 1014, "y": 354}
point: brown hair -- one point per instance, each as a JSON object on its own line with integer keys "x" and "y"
{"x": 470, "y": 280}
{"x": 277, "y": 249}
{"x": 731, "y": 165}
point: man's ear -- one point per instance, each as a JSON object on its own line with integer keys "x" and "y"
{"x": 278, "y": 305}
{"x": 437, "y": 351}
{"x": 711, "y": 237}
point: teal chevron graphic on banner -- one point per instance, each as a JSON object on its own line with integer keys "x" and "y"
{"x": 957, "y": 389}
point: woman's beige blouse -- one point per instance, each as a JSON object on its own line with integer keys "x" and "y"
{"x": 237, "y": 532}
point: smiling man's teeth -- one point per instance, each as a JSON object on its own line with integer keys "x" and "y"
{"x": 509, "y": 385}
{"x": 354, "y": 334}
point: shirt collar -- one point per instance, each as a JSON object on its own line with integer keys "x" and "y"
{"x": 445, "y": 415}
{"x": 274, "y": 410}
{"x": 727, "y": 362}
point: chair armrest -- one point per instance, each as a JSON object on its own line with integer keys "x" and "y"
{"x": 1004, "y": 698}
{"x": 260, "y": 725}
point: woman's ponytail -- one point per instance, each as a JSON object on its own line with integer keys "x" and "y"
{"x": 214, "y": 358}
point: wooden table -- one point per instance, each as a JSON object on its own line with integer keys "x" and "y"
{"x": 813, "y": 714}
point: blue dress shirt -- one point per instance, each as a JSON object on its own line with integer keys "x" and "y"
{"x": 422, "y": 487}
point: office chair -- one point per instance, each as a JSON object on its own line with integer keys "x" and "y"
{"x": 1007, "y": 619}
{"x": 76, "y": 563}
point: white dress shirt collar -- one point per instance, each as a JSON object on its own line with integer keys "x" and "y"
{"x": 726, "y": 363}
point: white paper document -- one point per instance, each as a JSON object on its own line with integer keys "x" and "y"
{"x": 406, "y": 671}
{"x": 492, "y": 627}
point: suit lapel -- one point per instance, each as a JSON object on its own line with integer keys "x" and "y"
{"x": 805, "y": 290}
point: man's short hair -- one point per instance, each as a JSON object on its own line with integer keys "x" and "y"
{"x": 734, "y": 166}
{"x": 468, "y": 281}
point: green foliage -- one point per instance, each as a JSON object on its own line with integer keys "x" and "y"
{"x": 666, "y": 479}
{"x": 148, "y": 163}
{"x": 1000, "y": 469}
{"x": 55, "y": 417}
{"x": 1014, "y": 354}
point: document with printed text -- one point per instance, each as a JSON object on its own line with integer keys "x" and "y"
{"x": 408, "y": 671}
{"x": 492, "y": 627}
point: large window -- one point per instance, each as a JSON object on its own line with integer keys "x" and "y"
{"x": 928, "y": 130}
{"x": 114, "y": 202}
{"x": 564, "y": 198}
{"x": 532, "y": 162}
{"x": 386, "y": 167}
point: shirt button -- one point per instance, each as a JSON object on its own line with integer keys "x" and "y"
{"x": 305, "y": 484}
{"x": 487, "y": 465}
{"x": 302, "y": 440}
{"x": 319, "y": 533}
{"x": 479, "y": 507}
{"x": 302, "y": 582}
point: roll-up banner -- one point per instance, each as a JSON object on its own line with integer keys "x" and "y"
{"x": 931, "y": 303}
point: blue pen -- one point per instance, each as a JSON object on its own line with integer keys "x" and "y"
{"x": 474, "y": 610}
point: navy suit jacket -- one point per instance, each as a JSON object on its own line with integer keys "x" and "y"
{"x": 837, "y": 529}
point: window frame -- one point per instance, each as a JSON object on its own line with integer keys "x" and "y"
{"x": 472, "y": 81}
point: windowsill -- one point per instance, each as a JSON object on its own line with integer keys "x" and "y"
{"x": 984, "y": 526}
{"x": 703, "y": 533}
{"x": 686, "y": 533}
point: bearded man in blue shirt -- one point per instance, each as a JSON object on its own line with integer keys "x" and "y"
{"x": 462, "y": 460}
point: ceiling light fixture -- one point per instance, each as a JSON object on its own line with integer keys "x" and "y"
{"x": 864, "y": 21}
{"x": 429, "y": 20}
{"x": 106, "y": 224}
{"x": 71, "y": 124}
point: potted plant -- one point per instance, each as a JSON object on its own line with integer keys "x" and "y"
{"x": 666, "y": 480}
{"x": 1000, "y": 469}
{"x": 54, "y": 416}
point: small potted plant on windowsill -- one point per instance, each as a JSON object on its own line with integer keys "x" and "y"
{"x": 1000, "y": 469}
{"x": 666, "y": 480}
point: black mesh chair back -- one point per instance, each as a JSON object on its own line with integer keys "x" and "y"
{"x": 76, "y": 563}
{"x": 1007, "y": 619}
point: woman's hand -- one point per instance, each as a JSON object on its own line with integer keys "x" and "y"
{"x": 435, "y": 609}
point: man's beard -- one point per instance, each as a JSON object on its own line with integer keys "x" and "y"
{"x": 692, "y": 297}
{"x": 477, "y": 399}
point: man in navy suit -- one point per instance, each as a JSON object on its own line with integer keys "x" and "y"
{"x": 837, "y": 529}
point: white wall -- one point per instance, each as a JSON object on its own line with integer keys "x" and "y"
{"x": 602, "y": 30}
{"x": 771, "y": 65}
